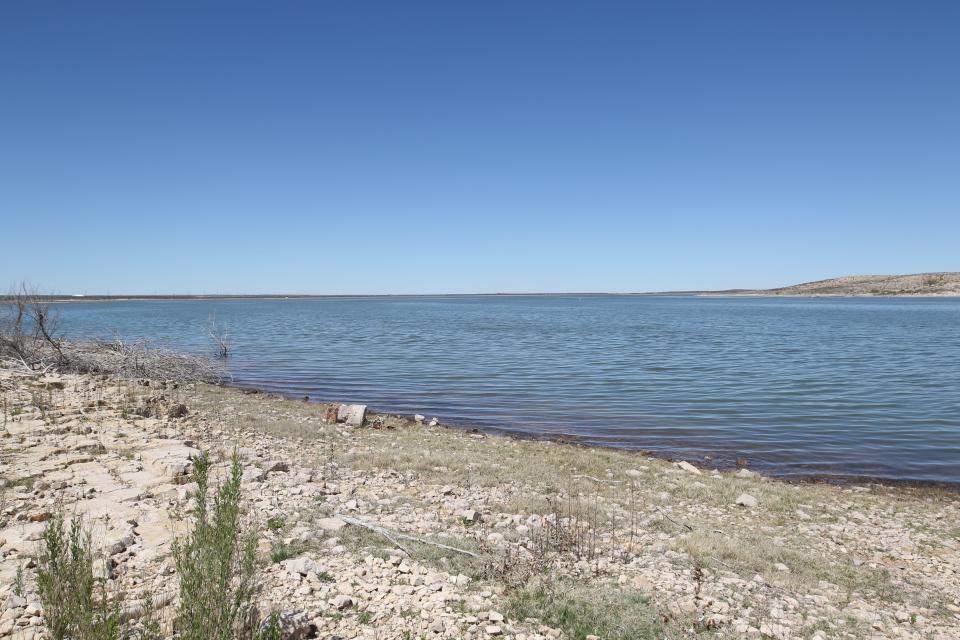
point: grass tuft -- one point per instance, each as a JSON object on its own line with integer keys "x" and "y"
{"x": 585, "y": 610}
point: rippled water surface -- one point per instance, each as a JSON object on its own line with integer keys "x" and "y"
{"x": 867, "y": 387}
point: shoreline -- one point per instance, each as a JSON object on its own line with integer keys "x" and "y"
{"x": 573, "y": 440}
{"x": 613, "y": 535}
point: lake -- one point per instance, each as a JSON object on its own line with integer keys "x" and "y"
{"x": 866, "y": 387}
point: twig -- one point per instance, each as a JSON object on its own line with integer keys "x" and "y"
{"x": 403, "y": 536}
{"x": 676, "y": 522}
{"x": 598, "y": 480}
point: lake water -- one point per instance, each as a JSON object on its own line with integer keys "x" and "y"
{"x": 843, "y": 387}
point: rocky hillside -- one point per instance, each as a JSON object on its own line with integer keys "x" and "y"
{"x": 917, "y": 284}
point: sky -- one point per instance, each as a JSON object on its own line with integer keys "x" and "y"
{"x": 453, "y": 147}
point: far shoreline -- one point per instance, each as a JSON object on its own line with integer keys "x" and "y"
{"x": 59, "y": 299}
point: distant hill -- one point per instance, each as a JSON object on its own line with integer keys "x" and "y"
{"x": 917, "y": 284}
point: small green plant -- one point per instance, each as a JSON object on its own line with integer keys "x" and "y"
{"x": 75, "y": 604}
{"x": 324, "y": 576}
{"x": 18, "y": 582}
{"x": 280, "y": 551}
{"x": 276, "y": 523}
{"x": 364, "y": 617}
{"x": 149, "y": 624}
{"x": 216, "y": 561}
{"x": 270, "y": 628}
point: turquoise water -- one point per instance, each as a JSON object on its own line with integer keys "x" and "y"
{"x": 837, "y": 387}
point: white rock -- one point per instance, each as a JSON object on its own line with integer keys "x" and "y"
{"x": 303, "y": 566}
{"x": 331, "y": 524}
{"x": 352, "y": 414}
{"x": 496, "y": 539}
{"x": 470, "y": 515}
{"x": 746, "y": 500}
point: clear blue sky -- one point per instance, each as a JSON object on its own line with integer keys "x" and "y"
{"x": 406, "y": 147}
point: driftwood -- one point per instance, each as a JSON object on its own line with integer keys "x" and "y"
{"x": 116, "y": 358}
{"x": 391, "y": 536}
{"x": 137, "y": 609}
{"x": 141, "y": 360}
{"x": 31, "y": 342}
{"x": 597, "y": 480}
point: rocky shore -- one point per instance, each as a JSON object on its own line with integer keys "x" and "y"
{"x": 393, "y": 528}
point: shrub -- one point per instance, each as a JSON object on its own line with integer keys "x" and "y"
{"x": 276, "y": 523}
{"x": 216, "y": 562}
{"x": 75, "y": 604}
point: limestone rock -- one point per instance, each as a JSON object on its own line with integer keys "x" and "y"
{"x": 331, "y": 524}
{"x": 301, "y": 565}
{"x": 293, "y": 625}
{"x": 274, "y": 466}
{"x": 352, "y": 414}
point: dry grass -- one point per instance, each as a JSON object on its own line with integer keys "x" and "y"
{"x": 596, "y": 609}
{"x": 754, "y": 553}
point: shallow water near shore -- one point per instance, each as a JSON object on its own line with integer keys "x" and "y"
{"x": 800, "y": 387}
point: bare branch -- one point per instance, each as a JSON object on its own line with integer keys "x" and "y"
{"x": 219, "y": 335}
